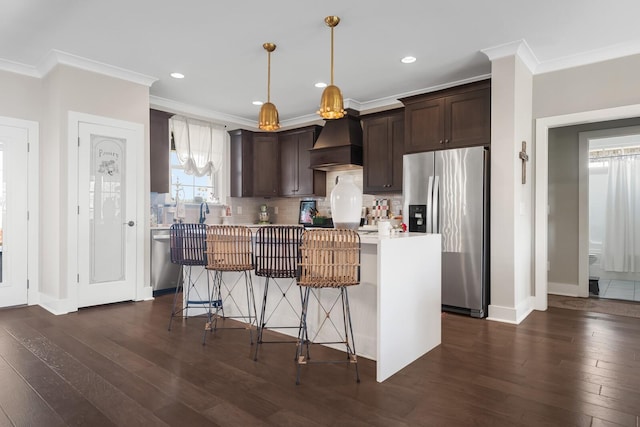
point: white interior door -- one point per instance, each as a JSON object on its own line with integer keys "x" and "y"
{"x": 13, "y": 214}
{"x": 106, "y": 214}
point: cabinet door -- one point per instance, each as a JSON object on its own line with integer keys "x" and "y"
{"x": 265, "y": 165}
{"x": 383, "y": 151}
{"x": 159, "y": 150}
{"x": 424, "y": 125}
{"x": 289, "y": 164}
{"x": 241, "y": 163}
{"x": 377, "y": 153}
{"x": 396, "y": 135}
{"x": 307, "y": 177}
{"x": 468, "y": 119}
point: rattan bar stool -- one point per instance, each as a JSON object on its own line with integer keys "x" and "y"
{"x": 187, "y": 246}
{"x": 328, "y": 259}
{"x": 276, "y": 253}
{"x": 229, "y": 248}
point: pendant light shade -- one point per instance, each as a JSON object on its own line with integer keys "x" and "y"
{"x": 268, "y": 119}
{"x": 331, "y": 103}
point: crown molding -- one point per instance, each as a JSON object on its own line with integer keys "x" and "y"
{"x": 519, "y": 48}
{"x": 18, "y": 68}
{"x": 599, "y": 55}
{"x": 177, "y": 107}
{"x": 57, "y": 57}
{"x": 393, "y": 100}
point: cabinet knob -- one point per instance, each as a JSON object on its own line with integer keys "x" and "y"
{"x": 441, "y": 142}
{"x": 446, "y": 141}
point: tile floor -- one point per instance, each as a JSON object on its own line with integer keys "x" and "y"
{"x": 619, "y": 289}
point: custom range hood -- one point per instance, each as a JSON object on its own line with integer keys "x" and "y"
{"x": 339, "y": 145}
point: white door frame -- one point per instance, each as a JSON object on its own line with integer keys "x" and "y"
{"x": 33, "y": 189}
{"x": 542, "y": 183}
{"x": 142, "y": 292}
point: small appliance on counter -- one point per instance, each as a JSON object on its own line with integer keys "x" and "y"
{"x": 263, "y": 216}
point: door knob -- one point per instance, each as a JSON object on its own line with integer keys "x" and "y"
{"x": 130, "y": 223}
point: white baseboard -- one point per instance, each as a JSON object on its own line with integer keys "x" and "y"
{"x": 146, "y": 294}
{"x": 54, "y": 305}
{"x": 566, "y": 289}
{"x": 513, "y": 315}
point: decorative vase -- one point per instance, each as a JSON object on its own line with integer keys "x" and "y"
{"x": 346, "y": 203}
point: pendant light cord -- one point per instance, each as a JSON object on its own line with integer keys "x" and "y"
{"x": 332, "y": 56}
{"x": 268, "y": 76}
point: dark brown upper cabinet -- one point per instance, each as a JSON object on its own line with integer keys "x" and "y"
{"x": 241, "y": 163}
{"x": 160, "y": 141}
{"x": 451, "y": 118}
{"x": 266, "y": 163}
{"x": 296, "y": 177}
{"x": 383, "y": 148}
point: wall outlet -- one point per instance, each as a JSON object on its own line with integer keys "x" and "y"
{"x": 275, "y": 210}
{"x": 239, "y": 210}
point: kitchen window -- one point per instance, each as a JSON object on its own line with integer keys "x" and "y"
{"x": 193, "y": 188}
{"x": 196, "y": 159}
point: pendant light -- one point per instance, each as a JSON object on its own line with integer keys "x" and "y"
{"x": 331, "y": 103}
{"x": 268, "y": 118}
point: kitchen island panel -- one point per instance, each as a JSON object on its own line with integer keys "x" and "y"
{"x": 396, "y": 308}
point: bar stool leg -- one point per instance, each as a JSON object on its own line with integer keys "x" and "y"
{"x": 351, "y": 348}
{"x": 217, "y": 288}
{"x": 251, "y": 301}
{"x": 207, "y": 325}
{"x": 303, "y": 338}
{"x": 261, "y": 322}
{"x": 179, "y": 285}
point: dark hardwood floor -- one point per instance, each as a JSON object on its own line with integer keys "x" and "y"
{"x": 118, "y": 365}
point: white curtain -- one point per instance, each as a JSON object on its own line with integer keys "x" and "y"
{"x": 621, "y": 247}
{"x": 199, "y": 145}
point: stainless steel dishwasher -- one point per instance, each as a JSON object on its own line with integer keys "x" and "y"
{"x": 164, "y": 273}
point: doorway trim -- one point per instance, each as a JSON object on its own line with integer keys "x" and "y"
{"x": 33, "y": 209}
{"x": 542, "y": 183}
{"x": 74, "y": 119}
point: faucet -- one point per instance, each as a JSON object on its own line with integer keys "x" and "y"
{"x": 203, "y": 214}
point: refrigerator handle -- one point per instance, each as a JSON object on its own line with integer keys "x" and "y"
{"x": 429, "y": 203}
{"x": 435, "y": 204}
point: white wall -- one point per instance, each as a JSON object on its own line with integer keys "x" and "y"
{"x": 21, "y": 96}
{"x": 48, "y": 101}
{"x": 511, "y": 203}
{"x": 591, "y": 87}
{"x": 592, "y": 93}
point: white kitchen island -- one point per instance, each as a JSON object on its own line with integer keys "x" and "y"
{"x": 395, "y": 310}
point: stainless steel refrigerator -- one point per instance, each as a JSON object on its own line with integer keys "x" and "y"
{"x": 447, "y": 192}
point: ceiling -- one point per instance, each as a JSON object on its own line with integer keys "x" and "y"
{"x": 218, "y": 45}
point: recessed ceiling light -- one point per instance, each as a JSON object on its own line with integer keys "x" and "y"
{"x": 408, "y": 59}
{"x": 320, "y": 84}
{"x": 177, "y": 75}
{"x": 257, "y": 102}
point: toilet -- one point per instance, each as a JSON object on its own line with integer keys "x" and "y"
{"x": 594, "y": 287}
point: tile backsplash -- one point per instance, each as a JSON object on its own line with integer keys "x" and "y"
{"x": 245, "y": 210}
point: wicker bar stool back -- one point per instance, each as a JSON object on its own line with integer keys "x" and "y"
{"x": 328, "y": 259}
{"x": 187, "y": 244}
{"x": 277, "y": 260}
{"x": 230, "y": 249}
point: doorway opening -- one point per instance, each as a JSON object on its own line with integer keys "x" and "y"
{"x": 614, "y": 213}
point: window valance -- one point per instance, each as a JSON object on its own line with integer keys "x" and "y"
{"x": 199, "y": 145}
